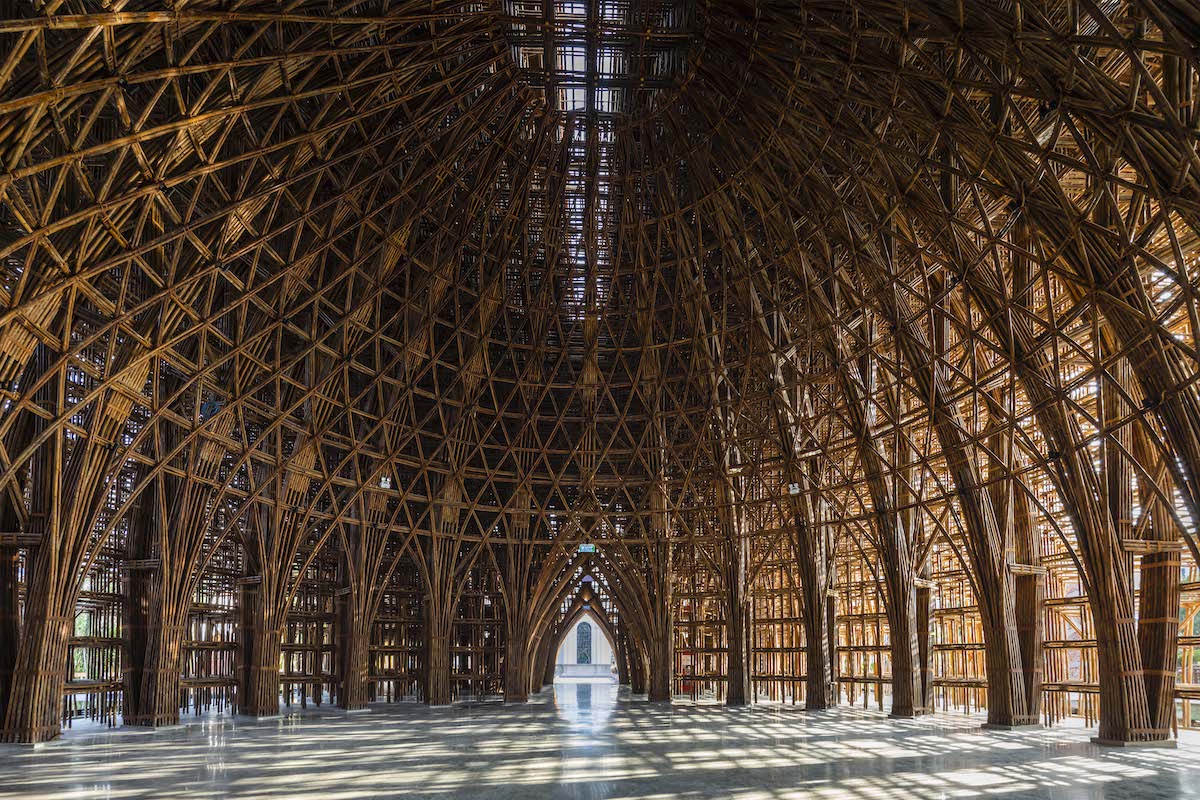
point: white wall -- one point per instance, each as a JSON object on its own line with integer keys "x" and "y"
{"x": 601, "y": 649}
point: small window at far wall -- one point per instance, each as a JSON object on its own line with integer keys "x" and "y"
{"x": 583, "y": 643}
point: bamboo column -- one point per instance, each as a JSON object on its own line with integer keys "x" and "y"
{"x": 168, "y": 549}
{"x": 925, "y": 587}
{"x": 517, "y": 572}
{"x": 1031, "y": 601}
{"x": 352, "y": 654}
{"x": 68, "y": 494}
{"x": 622, "y": 656}
{"x": 662, "y": 657}
{"x": 638, "y": 672}
{"x": 441, "y": 558}
{"x": 363, "y": 570}
{"x": 146, "y": 636}
{"x": 736, "y": 603}
{"x": 260, "y": 649}
{"x": 537, "y": 672}
{"x": 10, "y": 613}
{"x": 895, "y": 542}
{"x": 810, "y": 544}
{"x": 548, "y": 658}
{"x": 661, "y": 599}
{"x": 32, "y": 714}
{"x": 1159, "y": 545}
{"x": 516, "y": 575}
{"x": 277, "y": 529}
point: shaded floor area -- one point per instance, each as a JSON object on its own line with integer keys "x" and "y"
{"x": 590, "y": 741}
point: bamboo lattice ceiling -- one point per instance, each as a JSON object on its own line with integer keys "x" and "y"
{"x": 628, "y": 268}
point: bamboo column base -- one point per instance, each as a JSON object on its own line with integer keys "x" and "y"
{"x": 151, "y": 720}
{"x": 516, "y": 687}
{"x": 1014, "y": 726}
{"x": 516, "y": 671}
{"x": 259, "y": 713}
{"x": 35, "y": 701}
{"x": 259, "y": 695}
{"x": 659, "y": 690}
{"x": 437, "y": 670}
{"x": 34, "y": 737}
{"x": 908, "y": 713}
{"x": 353, "y": 691}
{"x": 1167, "y": 744}
{"x": 352, "y": 698}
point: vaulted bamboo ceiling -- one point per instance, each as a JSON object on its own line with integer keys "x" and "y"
{"x": 582, "y": 243}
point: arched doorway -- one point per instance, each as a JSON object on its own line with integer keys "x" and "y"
{"x": 585, "y": 650}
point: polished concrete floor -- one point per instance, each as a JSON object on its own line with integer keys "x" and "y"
{"x": 587, "y": 742}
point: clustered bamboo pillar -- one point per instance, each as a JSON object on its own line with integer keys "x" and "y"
{"x": 739, "y": 689}
{"x": 519, "y": 578}
{"x": 441, "y": 593}
{"x": 260, "y": 649}
{"x": 353, "y": 653}
{"x": 10, "y": 618}
{"x": 517, "y": 574}
{"x": 658, "y": 595}
{"x": 155, "y": 628}
{"x": 363, "y": 567}
{"x": 811, "y": 545}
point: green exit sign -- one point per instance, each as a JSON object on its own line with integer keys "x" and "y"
{"x": 587, "y": 548}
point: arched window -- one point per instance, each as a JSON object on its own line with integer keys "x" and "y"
{"x": 583, "y": 643}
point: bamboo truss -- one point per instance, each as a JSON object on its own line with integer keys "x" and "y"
{"x": 824, "y": 351}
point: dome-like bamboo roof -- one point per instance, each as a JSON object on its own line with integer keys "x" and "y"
{"x": 635, "y": 271}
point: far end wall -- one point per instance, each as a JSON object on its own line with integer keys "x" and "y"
{"x": 576, "y": 658}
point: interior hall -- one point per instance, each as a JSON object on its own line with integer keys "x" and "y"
{"x": 600, "y": 399}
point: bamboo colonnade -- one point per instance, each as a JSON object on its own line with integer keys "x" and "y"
{"x": 849, "y": 347}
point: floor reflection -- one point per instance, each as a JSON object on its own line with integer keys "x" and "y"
{"x": 589, "y": 740}
{"x": 586, "y": 703}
